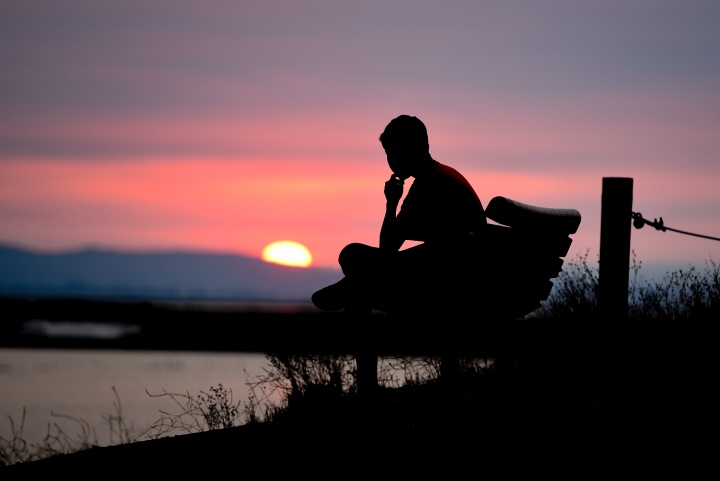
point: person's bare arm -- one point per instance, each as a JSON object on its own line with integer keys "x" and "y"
{"x": 390, "y": 239}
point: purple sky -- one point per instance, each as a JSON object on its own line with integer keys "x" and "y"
{"x": 226, "y": 125}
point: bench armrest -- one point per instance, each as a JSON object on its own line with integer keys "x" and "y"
{"x": 529, "y": 217}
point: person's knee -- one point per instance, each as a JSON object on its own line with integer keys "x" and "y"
{"x": 354, "y": 255}
{"x": 350, "y": 252}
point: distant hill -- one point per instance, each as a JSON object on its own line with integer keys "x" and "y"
{"x": 156, "y": 275}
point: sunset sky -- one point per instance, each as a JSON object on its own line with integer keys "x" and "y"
{"x": 228, "y": 125}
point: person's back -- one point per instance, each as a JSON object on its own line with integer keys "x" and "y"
{"x": 440, "y": 204}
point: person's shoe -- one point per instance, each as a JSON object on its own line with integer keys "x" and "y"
{"x": 329, "y": 298}
{"x": 358, "y": 311}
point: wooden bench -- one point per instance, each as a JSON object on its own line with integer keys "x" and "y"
{"x": 504, "y": 276}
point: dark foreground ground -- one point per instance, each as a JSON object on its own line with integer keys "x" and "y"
{"x": 569, "y": 399}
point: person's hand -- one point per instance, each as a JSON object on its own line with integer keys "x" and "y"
{"x": 394, "y": 189}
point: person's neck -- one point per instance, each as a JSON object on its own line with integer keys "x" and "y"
{"x": 426, "y": 165}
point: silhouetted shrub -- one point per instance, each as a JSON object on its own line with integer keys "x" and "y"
{"x": 681, "y": 295}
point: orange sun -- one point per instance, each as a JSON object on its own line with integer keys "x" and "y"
{"x": 287, "y": 253}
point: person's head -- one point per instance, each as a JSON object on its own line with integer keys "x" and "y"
{"x": 405, "y": 141}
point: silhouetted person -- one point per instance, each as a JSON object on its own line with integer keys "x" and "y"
{"x": 441, "y": 210}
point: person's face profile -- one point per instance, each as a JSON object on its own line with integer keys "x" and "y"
{"x": 399, "y": 158}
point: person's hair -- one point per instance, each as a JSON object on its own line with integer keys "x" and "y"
{"x": 405, "y": 129}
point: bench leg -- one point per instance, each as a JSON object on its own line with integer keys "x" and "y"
{"x": 365, "y": 360}
{"x": 367, "y": 381}
{"x": 449, "y": 368}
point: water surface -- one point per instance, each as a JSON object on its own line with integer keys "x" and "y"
{"x": 79, "y": 383}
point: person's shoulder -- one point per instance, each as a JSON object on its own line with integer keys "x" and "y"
{"x": 446, "y": 170}
{"x": 440, "y": 168}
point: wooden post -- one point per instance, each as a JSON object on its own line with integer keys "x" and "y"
{"x": 615, "y": 227}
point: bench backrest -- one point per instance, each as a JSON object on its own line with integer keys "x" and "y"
{"x": 527, "y": 244}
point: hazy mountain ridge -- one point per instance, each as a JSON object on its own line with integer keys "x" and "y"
{"x": 154, "y": 275}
